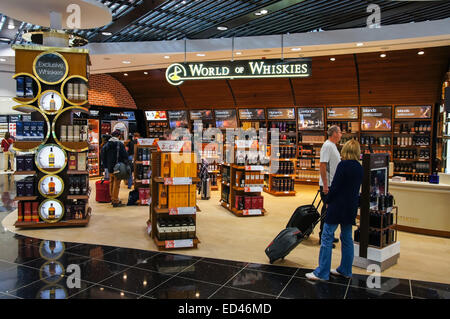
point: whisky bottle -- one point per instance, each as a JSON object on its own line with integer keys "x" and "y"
{"x": 84, "y": 188}
{"x": 77, "y": 187}
{"x": 51, "y": 158}
{"x": 52, "y": 103}
{"x": 51, "y": 187}
{"x": 71, "y": 189}
{"x": 51, "y": 212}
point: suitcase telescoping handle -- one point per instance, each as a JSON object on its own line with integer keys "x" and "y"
{"x": 318, "y": 205}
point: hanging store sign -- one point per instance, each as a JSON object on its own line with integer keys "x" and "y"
{"x": 413, "y": 112}
{"x": 177, "y": 73}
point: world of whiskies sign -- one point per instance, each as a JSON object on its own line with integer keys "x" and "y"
{"x": 177, "y": 73}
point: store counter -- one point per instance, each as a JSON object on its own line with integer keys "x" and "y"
{"x": 423, "y": 208}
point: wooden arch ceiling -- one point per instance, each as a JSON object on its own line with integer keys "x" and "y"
{"x": 403, "y": 77}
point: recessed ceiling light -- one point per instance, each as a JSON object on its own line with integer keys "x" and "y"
{"x": 126, "y": 62}
{"x": 201, "y": 54}
{"x": 360, "y": 44}
{"x": 296, "y": 49}
{"x": 421, "y": 53}
{"x": 333, "y": 59}
{"x": 126, "y": 74}
{"x": 5, "y": 39}
{"x": 107, "y": 33}
{"x": 2, "y": 60}
{"x": 145, "y": 72}
{"x": 222, "y": 28}
{"x": 238, "y": 53}
{"x": 166, "y": 57}
{"x": 264, "y": 11}
{"x": 11, "y": 26}
{"x": 257, "y": 13}
{"x": 382, "y": 55}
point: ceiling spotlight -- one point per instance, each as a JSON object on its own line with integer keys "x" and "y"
{"x": 222, "y": 28}
{"x": 421, "y": 53}
{"x": 126, "y": 62}
{"x": 2, "y": 60}
{"x": 107, "y": 33}
{"x": 264, "y": 11}
{"x": 5, "y": 40}
{"x": 11, "y": 26}
{"x": 125, "y": 277}
{"x": 126, "y": 74}
{"x": 166, "y": 57}
{"x": 238, "y": 53}
{"x": 201, "y": 54}
{"x": 333, "y": 59}
{"x": 296, "y": 49}
{"x": 122, "y": 294}
{"x": 145, "y": 72}
{"x": 360, "y": 44}
{"x": 382, "y": 55}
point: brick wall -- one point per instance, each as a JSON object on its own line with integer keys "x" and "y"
{"x": 104, "y": 90}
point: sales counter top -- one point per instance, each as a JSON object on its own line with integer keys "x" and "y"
{"x": 423, "y": 208}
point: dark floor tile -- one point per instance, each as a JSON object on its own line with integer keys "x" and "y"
{"x": 98, "y": 270}
{"x": 209, "y": 272}
{"x": 392, "y": 285}
{"x": 129, "y": 257}
{"x": 181, "y": 288}
{"x": 135, "y": 280}
{"x": 170, "y": 264}
{"x": 300, "y": 288}
{"x": 225, "y": 262}
{"x": 231, "y": 293}
{"x": 103, "y": 292}
{"x": 65, "y": 260}
{"x": 333, "y": 279}
{"x": 289, "y": 271}
{"x": 258, "y": 281}
{"x": 56, "y": 290}
{"x": 361, "y": 293}
{"x": 93, "y": 251}
{"x": 17, "y": 277}
{"x": 430, "y": 290}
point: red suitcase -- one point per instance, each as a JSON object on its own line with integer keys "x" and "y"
{"x": 102, "y": 191}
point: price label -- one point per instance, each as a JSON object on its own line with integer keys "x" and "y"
{"x": 254, "y": 168}
{"x": 145, "y": 162}
{"x": 146, "y": 141}
{"x": 145, "y": 202}
{"x": 177, "y": 181}
{"x": 145, "y": 181}
{"x": 170, "y": 146}
{"x": 253, "y": 189}
{"x": 179, "y": 243}
{"x": 249, "y": 212}
{"x": 182, "y": 211}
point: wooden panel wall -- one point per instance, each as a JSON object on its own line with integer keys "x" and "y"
{"x": 403, "y": 77}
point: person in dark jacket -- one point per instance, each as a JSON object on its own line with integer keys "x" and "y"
{"x": 110, "y": 151}
{"x": 132, "y": 141}
{"x": 343, "y": 202}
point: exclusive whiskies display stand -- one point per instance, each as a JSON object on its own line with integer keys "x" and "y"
{"x": 281, "y": 182}
{"x": 376, "y": 236}
{"x": 173, "y": 205}
{"x": 51, "y": 148}
{"x": 142, "y": 168}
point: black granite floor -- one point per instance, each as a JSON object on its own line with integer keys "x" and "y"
{"x": 39, "y": 269}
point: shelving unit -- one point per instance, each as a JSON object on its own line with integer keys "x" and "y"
{"x": 94, "y": 147}
{"x": 212, "y": 156}
{"x": 142, "y": 172}
{"x": 181, "y": 221}
{"x": 52, "y": 204}
{"x": 284, "y": 177}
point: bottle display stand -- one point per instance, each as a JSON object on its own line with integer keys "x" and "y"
{"x": 210, "y": 152}
{"x": 286, "y": 164}
{"x": 171, "y": 226}
{"x": 51, "y": 149}
{"x": 142, "y": 172}
{"x": 231, "y": 188}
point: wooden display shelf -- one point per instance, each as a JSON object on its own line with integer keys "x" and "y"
{"x": 75, "y": 145}
{"x": 76, "y": 172}
{"x": 214, "y": 172}
{"x": 215, "y": 188}
{"x": 410, "y": 160}
{"x": 240, "y": 213}
{"x": 24, "y": 172}
{"x": 240, "y": 167}
{"x": 412, "y": 146}
{"x": 410, "y": 173}
{"x": 381, "y": 146}
{"x": 283, "y": 175}
{"x": 284, "y": 159}
{"x": 167, "y": 211}
{"x": 308, "y": 169}
{"x": 306, "y": 180}
{"x": 288, "y": 193}
{"x": 145, "y": 163}
{"x": 306, "y": 156}
{"x": 26, "y": 145}
{"x": 161, "y": 179}
{"x": 64, "y": 223}
{"x": 412, "y": 133}
{"x": 162, "y": 244}
{"x": 25, "y": 198}
{"x": 77, "y": 197}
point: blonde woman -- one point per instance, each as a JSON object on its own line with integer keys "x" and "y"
{"x": 343, "y": 202}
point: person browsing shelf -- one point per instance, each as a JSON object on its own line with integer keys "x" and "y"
{"x": 343, "y": 202}
{"x": 8, "y": 155}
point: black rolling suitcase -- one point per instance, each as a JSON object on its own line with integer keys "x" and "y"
{"x": 299, "y": 227}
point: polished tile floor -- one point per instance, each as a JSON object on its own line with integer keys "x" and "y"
{"x": 32, "y": 268}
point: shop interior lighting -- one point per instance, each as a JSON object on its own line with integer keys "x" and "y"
{"x": 2, "y": 60}
{"x": 126, "y": 62}
{"x": 201, "y": 54}
{"x": 382, "y": 55}
{"x": 333, "y": 59}
{"x": 296, "y": 49}
{"x": 107, "y": 33}
{"x": 222, "y": 28}
{"x": 238, "y": 53}
{"x": 166, "y": 57}
{"x": 145, "y": 72}
{"x": 421, "y": 53}
{"x": 126, "y": 74}
{"x": 360, "y": 44}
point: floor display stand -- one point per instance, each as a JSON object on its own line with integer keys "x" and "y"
{"x": 281, "y": 182}
{"x": 142, "y": 169}
{"x": 376, "y": 236}
{"x": 173, "y": 207}
{"x": 52, "y": 148}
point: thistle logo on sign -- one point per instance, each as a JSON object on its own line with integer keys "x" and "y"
{"x": 177, "y": 73}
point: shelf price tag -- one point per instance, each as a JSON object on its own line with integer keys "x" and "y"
{"x": 146, "y": 181}
{"x": 177, "y": 181}
{"x": 249, "y": 212}
{"x": 145, "y": 202}
{"x": 182, "y": 211}
{"x": 179, "y": 243}
{"x": 254, "y": 168}
{"x": 146, "y": 141}
{"x": 145, "y": 162}
{"x": 253, "y": 189}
